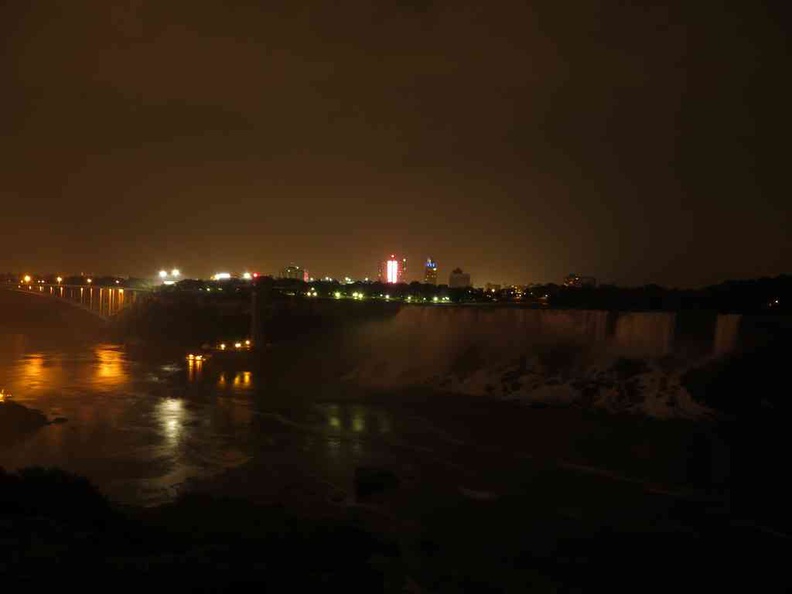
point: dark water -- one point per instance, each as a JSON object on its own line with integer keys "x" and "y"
{"x": 147, "y": 426}
{"x": 141, "y": 428}
{"x": 146, "y": 429}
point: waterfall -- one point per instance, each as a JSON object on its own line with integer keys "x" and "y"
{"x": 727, "y": 332}
{"x": 644, "y": 334}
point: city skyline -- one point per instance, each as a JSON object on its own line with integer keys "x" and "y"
{"x": 631, "y": 143}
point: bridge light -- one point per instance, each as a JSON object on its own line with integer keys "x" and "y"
{"x": 163, "y": 273}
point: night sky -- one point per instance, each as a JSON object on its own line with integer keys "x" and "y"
{"x": 517, "y": 140}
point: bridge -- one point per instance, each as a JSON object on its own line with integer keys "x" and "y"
{"x": 101, "y": 301}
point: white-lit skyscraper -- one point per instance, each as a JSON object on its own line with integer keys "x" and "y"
{"x": 393, "y": 270}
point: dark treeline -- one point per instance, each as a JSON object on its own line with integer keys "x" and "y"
{"x": 771, "y": 295}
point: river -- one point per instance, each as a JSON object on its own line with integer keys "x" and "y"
{"x": 147, "y": 426}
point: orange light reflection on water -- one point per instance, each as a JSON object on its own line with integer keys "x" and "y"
{"x": 242, "y": 379}
{"x": 194, "y": 369}
{"x": 34, "y": 373}
{"x": 111, "y": 369}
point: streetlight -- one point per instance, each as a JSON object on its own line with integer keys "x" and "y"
{"x": 26, "y": 278}
{"x": 163, "y": 274}
{"x": 90, "y": 280}
{"x": 59, "y": 279}
{"x": 175, "y": 273}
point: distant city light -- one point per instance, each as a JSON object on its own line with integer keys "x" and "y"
{"x": 175, "y": 272}
{"x": 59, "y": 279}
{"x": 90, "y": 280}
{"x": 163, "y": 273}
{"x": 247, "y": 276}
{"x": 237, "y": 345}
{"x": 26, "y": 278}
{"x": 222, "y": 276}
{"x": 337, "y": 295}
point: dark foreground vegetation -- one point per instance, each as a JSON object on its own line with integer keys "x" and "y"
{"x": 57, "y": 529}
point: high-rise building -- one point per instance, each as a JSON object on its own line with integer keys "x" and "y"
{"x": 458, "y": 279}
{"x": 430, "y": 272}
{"x": 294, "y": 272}
{"x": 393, "y": 270}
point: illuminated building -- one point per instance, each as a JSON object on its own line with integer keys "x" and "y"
{"x": 294, "y": 272}
{"x": 458, "y": 279}
{"x": 393, "y": 270}
{"x": 430, "y": 272}
{"x": 573, "y": 280}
